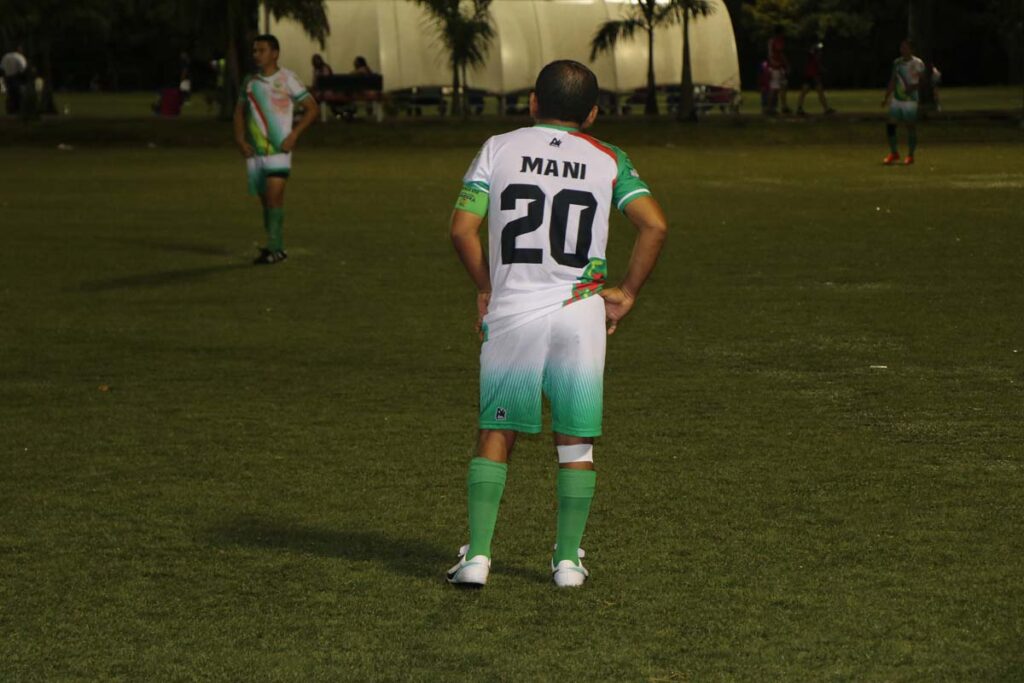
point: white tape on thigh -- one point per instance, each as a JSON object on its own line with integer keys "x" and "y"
{"x": 583, "y": 452}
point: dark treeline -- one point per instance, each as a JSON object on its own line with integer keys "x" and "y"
{"x": 137, "y": 44}
{"x": 973, "y": 42}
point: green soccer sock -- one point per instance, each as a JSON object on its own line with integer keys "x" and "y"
{"x": 486, "y": 483}
{"x": 575, "y": 491}
{"x": 912, "y": 141}
{"x": 273, "y": 221}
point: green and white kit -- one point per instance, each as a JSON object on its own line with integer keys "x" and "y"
{"x": 269, "y": 109}
{"x": 905, "y": 73}
{"x": 547, "y": 192}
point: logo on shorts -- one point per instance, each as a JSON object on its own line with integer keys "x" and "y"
{"x": 500, "y": 414}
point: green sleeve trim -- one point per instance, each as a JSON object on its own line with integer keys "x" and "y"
{"x": 628, "y": 199}
{"x": 474, "y": 198}
{"x": 301, "y": 96}
{"x": 628, "y": 185}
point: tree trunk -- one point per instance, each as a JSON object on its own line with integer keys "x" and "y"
{"x": 919, "y": 31}
{"x": 45, "y": 104}
{"x": 687, "y": 111}
{"x": 919, "y": 27}
{"x": 651, "y": 103}
{"x": 233, "y": 76}
{"x": 456, "y": 95}
{"x": 465, "y": 94}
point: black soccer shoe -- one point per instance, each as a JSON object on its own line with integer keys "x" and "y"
{"x": 269, "y": 258}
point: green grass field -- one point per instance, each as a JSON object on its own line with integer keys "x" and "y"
{"x": 812, "y": 466}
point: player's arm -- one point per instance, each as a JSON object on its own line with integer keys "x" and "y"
{"x": 239, "y": 123}
{"x": 309, "y": 116}
{"x": 652, "y": 229}
{"x": 465, "y": 234}
{"x": 889, "y": 88}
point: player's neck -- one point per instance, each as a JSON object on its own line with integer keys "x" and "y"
{"x": 269, "y": 70}
{"x": 555, "y": 123}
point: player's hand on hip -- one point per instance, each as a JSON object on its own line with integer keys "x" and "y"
{"x": 483, "y": 299}
{"x": 288, "y": 144}
{"x": 617, "y": 303}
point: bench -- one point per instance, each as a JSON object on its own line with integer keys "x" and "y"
{"x": 705, "y": 98}
{"x": 342, "y": 94}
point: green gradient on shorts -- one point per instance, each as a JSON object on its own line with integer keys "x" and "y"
{"x": 577, "y": 401}
{"x": 510, "y": 399}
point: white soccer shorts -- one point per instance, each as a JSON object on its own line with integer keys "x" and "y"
{"x": 561, "y": 356}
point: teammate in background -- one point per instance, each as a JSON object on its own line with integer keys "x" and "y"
{"x": 813, "y": 72}
{"x": 901, "y": 97}
{"x": 264, "y": 134}
{"x": 542, "y": 328}
{"x": 779, "y": 67}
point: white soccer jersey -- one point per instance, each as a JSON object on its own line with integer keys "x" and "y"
{"x": 906, "y": 73}
{"x": 548, "y": 192}
{"x": 269, "y": 102}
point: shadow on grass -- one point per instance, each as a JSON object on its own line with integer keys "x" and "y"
{"x": 159, "y": 279}
{"x": 401, "y": 555}
{"x": 174, "y": 246}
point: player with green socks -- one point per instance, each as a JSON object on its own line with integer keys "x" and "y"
{"x": 264, "y": 135}
{"x": 542, "y": 303}
{"x": 901, "y": 97}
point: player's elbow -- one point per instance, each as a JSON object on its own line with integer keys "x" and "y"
{"x": 464, "y": 225}
{"x": 656, "y": 228}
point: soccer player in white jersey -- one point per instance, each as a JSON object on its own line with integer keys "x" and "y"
{"x": 546, "y": 192}
{"x": 265, "y": 136}
{"x": 901, "y": 96}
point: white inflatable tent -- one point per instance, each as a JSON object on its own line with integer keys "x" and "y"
{"x": 398, "y": 40}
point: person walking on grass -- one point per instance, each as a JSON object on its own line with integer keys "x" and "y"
{"x": 542, "y": 327}
{"x": 813, "y": 72}
{"x": 901, "y": 97}
{"x": 266, "y": 138}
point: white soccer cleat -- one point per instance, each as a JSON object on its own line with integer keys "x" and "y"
{"x": 470, "y": 572}
{"x": 569, "y": 574}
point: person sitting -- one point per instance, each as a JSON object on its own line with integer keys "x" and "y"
{"x": 321, "y": 69}
{"x": 360, "y": 67}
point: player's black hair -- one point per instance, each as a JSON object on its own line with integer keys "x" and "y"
{"x": 566, "y": 91}
{"x": 360, "y": 62}
{"x": 269, "y": 40}
{"x": 779, "y": 29}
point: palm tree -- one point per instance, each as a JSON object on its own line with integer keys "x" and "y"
{"x": 685, "y": 10}
{"x": 465, "y": 30}
{"x": 647, "y": 15}
{"x": 310, "y": 14}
